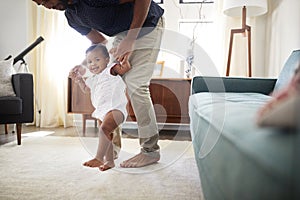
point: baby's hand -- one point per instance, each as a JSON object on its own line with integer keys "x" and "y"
{"x": 78, "y": 79}
{"x": 121, "y": 68}
{"x": 77, "y": 72}
{"x": 72, "y": 75}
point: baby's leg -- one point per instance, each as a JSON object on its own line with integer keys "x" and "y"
{"x": 95, "y": 162}
{"x": 116, "y": 139}
{"x": 105, "y": 149}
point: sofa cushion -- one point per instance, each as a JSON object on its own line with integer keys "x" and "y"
{"x": 288, "y": 70}
{"x": 236, "y": 158}
{"x": 10, "y": 105}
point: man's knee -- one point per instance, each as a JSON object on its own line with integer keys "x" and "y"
{"x": 139, "y": 94}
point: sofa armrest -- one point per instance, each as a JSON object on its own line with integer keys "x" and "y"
{"x": 23, "y": 86}
{"x": 230, "y": 84}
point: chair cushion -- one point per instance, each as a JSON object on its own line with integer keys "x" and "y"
{"x": 10, "y": 105}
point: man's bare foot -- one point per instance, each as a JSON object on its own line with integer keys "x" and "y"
{"x": 140, "y": 160}
{"x": 106, "y": 166}
{"x": 93, "y": 163}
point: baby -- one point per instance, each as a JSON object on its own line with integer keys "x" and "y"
{"x": 108, "y": 96}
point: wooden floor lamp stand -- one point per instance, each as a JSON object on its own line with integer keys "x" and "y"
{"x": 246, "y": 31}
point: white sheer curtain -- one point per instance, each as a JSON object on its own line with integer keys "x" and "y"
{"x": 283, "y": 31}
{"x": 62, "y": 49}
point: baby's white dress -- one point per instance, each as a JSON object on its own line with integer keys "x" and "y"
{"x": 107, "y": 93}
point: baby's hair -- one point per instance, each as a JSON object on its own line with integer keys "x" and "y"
{"x": 100, "y": 47}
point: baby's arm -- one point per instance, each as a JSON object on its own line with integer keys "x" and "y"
{"x": 121, "y": 68}
{"x": 76, "y": 75}
{"x": 80, "y": 81}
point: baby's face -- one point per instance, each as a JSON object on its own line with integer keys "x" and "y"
{"x": 96, "y": 62}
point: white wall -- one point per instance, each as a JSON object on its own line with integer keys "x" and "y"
{"x": 13, "y": 23}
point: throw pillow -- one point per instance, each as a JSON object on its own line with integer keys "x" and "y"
{"x": 284, "y": 109}
{"x": 288, "y": 70}
{"x": 6, "y": 71}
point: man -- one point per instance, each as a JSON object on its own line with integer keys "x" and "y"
{"x": 137, "y": 27}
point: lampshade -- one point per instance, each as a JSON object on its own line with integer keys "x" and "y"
{"x": 233, "y": 8}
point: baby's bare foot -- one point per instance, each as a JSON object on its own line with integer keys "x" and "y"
{"x": 93, "y": 163}
{"x": 106, "y": 166}
{"x": 140, "y": 160}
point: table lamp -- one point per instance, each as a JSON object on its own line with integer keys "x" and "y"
{"x": 243, "y": 8}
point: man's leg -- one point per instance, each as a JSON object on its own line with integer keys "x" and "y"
{"x": 143, "y": 60}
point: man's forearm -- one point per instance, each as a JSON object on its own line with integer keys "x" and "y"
{"x": 140, "y": 12}
{"x": 96, "y": 37}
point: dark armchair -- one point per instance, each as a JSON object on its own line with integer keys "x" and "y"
{"x": 18, "y": 109}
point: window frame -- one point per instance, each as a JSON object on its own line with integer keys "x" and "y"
{"x": 195, "y": 1}
{"x": 159, "y": 1}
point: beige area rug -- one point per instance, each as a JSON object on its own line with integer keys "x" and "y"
{"x": 50, "y": 167}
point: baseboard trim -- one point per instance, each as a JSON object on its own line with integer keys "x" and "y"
{"x": 133, "y": 125}
{"x": 165, "y": 126}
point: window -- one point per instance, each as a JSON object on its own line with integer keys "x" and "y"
{"x": 195, "y": 1}
{"x": 159, "y": 1}
{"x": 201, "y": 32}
{"x": 202, "y": 29}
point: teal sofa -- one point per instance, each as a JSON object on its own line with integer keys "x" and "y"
{"x": 238, "y": 160}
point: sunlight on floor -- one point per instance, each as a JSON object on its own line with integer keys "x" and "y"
{"x": 38, "y": 134}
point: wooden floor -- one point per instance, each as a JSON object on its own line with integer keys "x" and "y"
{"x": 90, "y": 132}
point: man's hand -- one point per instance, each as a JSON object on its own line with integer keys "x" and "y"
{"x": 126, "y": 46}
{"x": 123, "y": 51}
